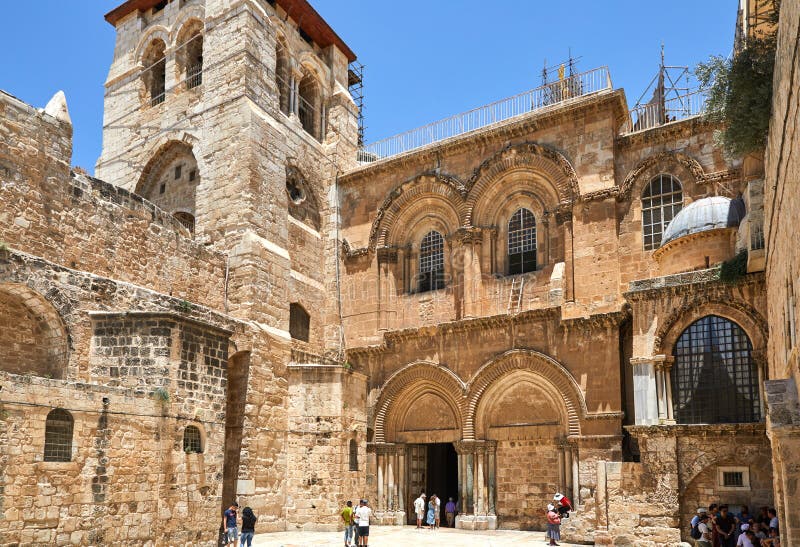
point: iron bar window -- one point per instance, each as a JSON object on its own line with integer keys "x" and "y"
{"x": 431, "y": 262}
{"x": 58, "y": 436}
{"x": 521, "y": 242}
{"x": 661, "y": 201}
{"x": 714, "y": 378}
{"x": 192, "y": 440}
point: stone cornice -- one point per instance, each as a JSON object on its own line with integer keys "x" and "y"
{"x": 706, "y": 280}
{"x": 696, "y": 430}
{"x": 669, "y": 131}
{"x": 507, "y": 130}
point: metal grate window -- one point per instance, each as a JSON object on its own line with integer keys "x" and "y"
{"x": 521, "y": 242}
{"x": 58, "y": 436}
{"x": 661, "y": 201}
{"x": 431, "y": 262}
{"x": 714, "y": 379}
{"x": 732, "y": 479}
{"x": 192, "y": 442}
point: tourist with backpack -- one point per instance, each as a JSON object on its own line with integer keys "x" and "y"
{"x": 702, "y": 533}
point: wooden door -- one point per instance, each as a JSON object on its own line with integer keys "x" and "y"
{"x": 417, "y": 458}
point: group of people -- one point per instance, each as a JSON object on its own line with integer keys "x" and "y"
{"x": 718, "y": 527}
{"x": 230, "y": 520}
{"x": 356, "y": 523}
{"x": 434, "y": 513}
{"x": 557, "y": 511}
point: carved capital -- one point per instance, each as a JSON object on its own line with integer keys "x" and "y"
{"x": 468, "y": 236}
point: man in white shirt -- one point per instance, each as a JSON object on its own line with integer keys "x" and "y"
{"x": 419, "y": 509}
{"x": 362, "y": 520}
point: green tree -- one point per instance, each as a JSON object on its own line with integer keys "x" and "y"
{"x": 739, "y": 91}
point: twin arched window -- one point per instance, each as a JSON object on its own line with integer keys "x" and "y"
{"x": 662, "y": 199}
{"x": 58, "y": 436}
{"x": 431, "y": 262}
{"x": 714, "y": 379}
{"x": 521, "y": 242}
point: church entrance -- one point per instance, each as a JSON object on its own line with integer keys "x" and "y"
{"x": 433, "y": 469}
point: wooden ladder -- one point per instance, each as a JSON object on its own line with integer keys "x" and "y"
{"x": 515, "y": 296}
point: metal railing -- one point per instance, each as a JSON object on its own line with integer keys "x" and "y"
{"x": 157, "y": 96}
{"x": 577, "y": 85}
{"x": 649, "y": 115}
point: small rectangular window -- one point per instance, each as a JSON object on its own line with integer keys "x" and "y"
{"x": 162, "y": 188}
{"x": 733, "y": 478}
{"x": 192, "y": 175}
{"x": 178, "y": 172}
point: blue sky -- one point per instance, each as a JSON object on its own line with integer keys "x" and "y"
{"x": 425, "y": 59}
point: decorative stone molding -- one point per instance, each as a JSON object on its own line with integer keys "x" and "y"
{"x": 692, "y": 165}
{"x": 387, "y": 255}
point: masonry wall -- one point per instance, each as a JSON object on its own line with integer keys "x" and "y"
{"x": 781, "y": 203}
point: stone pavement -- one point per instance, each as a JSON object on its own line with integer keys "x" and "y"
{"x": 406, "y": 536}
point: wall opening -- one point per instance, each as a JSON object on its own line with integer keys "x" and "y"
{"x": 299, "y": 322}
{"x": 58, "y": 436}
{"x": 154, "y": 73}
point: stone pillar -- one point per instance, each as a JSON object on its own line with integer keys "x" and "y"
{"x": 662, "y": 407}
{"x": 390, "y": 491}
{"x": 471, "y": 241}
{"x": 480, "y": 497}
{"x": 565, "y": 219}
{"x": 562, "y": 467}
{"x": 491, "y": 448}
{"x": 668, "y": 361}
{"x": 379, "y": 457}
{"x": 462, "y": 481}
{"x": 576, "y": 477}
{"x": 401, "y": 477}
{"x": 387, "y": 259}
{"x": 470, "y": 482}
{"x": 644, "y": 391}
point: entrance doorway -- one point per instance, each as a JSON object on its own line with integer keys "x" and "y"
{"x": 433, "y": 469}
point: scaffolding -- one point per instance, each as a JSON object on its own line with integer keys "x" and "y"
{"x": 355, "y": 82}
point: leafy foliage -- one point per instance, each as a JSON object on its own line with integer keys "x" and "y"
{"x": 740, "y": 92}
{"x": 731, "y": 271}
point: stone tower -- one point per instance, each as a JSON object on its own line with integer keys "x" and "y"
{"x": 235, "y": 118}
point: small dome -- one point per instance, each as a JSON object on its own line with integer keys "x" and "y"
{"x": 704, "y": 214}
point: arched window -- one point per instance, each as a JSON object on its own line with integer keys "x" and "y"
{"x": 431, "y": 262}
{"x": 299, "y": 322}
{"x": 282, "y": 77}
{"x": 155, "y": 72}
{"x": 714, "y": 379}
{"x": 309, "y": 107}
{"x": 58, "y": 436}
{"x": 661, "y": 201}
{"x": 186, "y": 219}
{"x": 192, "y": 441}
{"x": 521, "y": 242}
{"x": 353, "y": 455}
{"x": 189, "y": 54}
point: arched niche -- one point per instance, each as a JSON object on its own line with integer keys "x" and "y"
{"x": 170, "y": 180}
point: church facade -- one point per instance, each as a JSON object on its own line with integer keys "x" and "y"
{"x": 244, "y": 304}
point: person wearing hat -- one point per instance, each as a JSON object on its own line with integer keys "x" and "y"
{"x": 553, "y": 524}
{"x": 229, "y": 524}
{"x": 744, "y": 540}
{"x": 696, "y": 519}
{"x": 419, "y": 509}
{"x": 563, "y": 504}
{"x": 705, "y": 532}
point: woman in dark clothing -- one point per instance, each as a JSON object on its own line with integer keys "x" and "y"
{"x": 248, "y": 527}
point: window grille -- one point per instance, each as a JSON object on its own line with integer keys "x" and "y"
{"x": 714, "y": 379}
{"x": 431, "y": 262}
{"x": 661, "y": 201}
{"x": 58, "y": 436}
{"x": 192, "y": 441}
{"x": 353, "y": 455}
{"x": 194, "y": 75}
{"x": 299, "y": 322}
{"x": 521, "y": 242}
{"x": 732, "y": 479}
{"x": 186, "y": 219}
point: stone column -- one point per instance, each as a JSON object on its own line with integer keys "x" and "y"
{"x": 562, "y": 466}
{"x": 401, "y": 477}
{"x": 480, "y": 494}
{"x": 662, "y": 407}
{"x": 644, "y": 391}
{"x": 668, "y": 361}
{"x": 390, "y": 497}
{"x": 491, "y": 448}
{"x": 462, "y": 480}
{"x": 565, "y": 219}
{"x": 379, "y": 458}
{"x": 470, "y": 481}
{"x": 576, "y": 477}
{"x": 387, "y": 259}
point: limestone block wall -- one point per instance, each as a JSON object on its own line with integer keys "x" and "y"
{"x": 781, "y": 203}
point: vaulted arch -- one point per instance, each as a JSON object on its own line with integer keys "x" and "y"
{"x": 530, "y": 165}
{"x": 678, "y": 164}
{"x": 551, "y": 375}
{"x": 406, "y": 386}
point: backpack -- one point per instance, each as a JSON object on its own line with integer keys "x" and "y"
{"x": 695, "y": 532}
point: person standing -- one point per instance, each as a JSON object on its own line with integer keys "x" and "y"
{"x": 553, "y": 524}
{"x": 705, "y": 533}
{"x": 362, "y": 517}
{"x": 347, "y": 517}
{"x": 726, "y": 526}
{"x": 248, "y": 527}
{"x": 419, "y": 509}
{"x": 773, "y": 519}
{"x": 431, "y": 508}
{"x": 229, "y": 523}
{"x": 450, "y": 512}
{"x": 437, "y": 515}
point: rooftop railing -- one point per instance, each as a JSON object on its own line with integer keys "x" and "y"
{"x": 651, "y": 115}
{"x": 577, "y": 85}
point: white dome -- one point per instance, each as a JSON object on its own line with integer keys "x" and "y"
{"x": 702, "y": 215}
